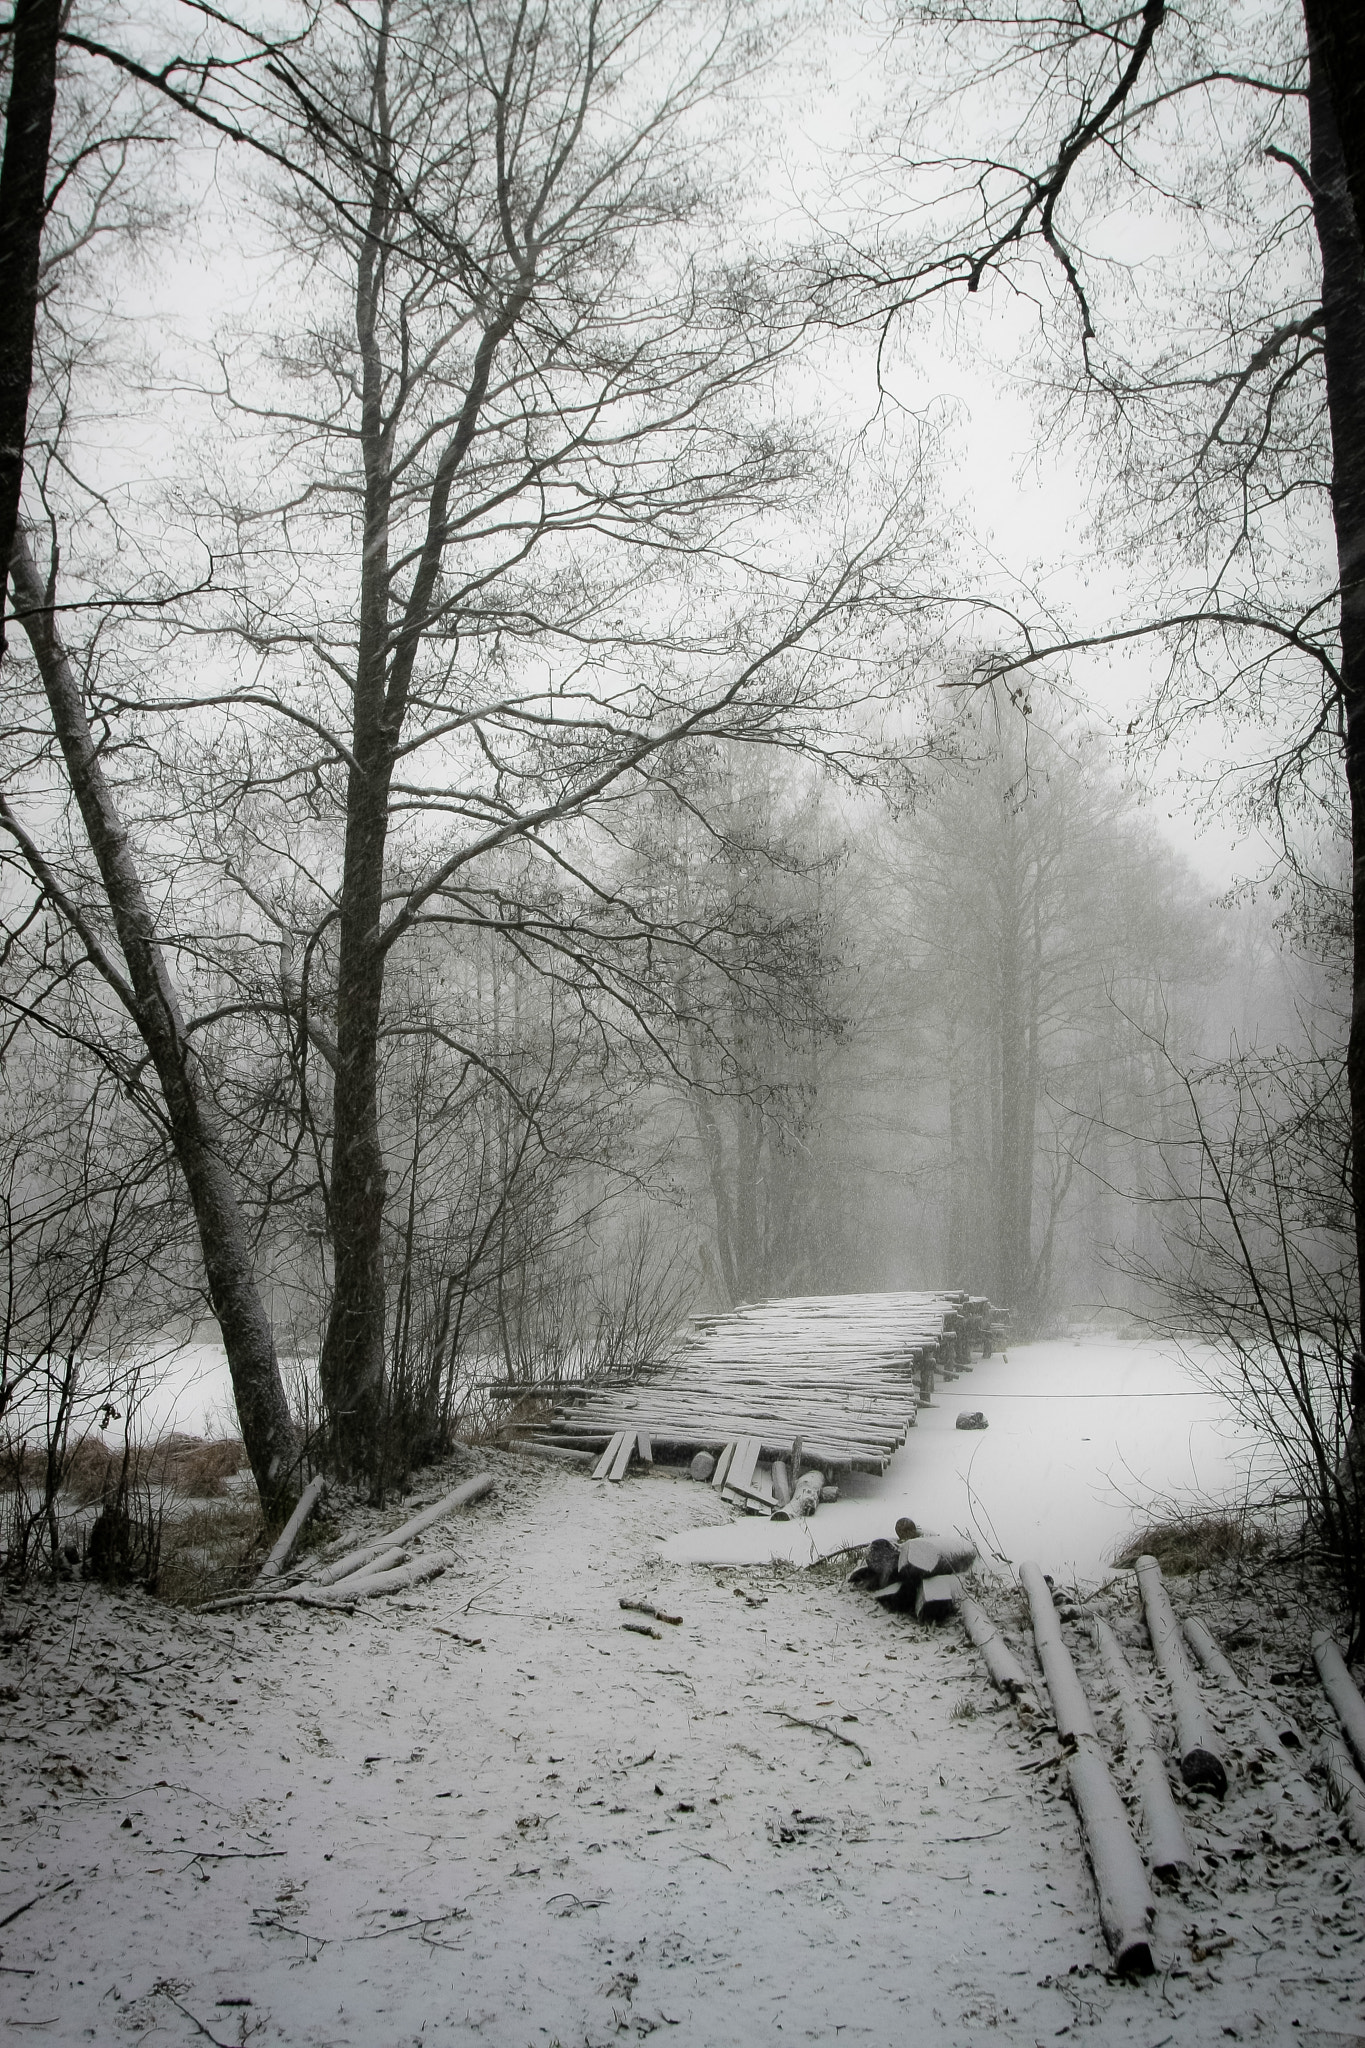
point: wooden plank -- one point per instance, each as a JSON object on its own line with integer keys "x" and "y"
{"x": 608, "y": 1457}
{"x": 742, "y": 1464}
{"x": 621, "y": 1462}
{"x": 723, "y": 1463}
{"x": 644, "y": 1449}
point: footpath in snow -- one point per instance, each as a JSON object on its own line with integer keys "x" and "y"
{"x": 487, "y": 1812}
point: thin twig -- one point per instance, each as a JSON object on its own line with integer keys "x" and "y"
{"x": 37, "y": 1900}
{"x": 822, "y": 1728}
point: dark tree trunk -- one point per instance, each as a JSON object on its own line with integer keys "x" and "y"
{"x": 1343, "y": 303}
{"x": 224, "y": 1236}
{"x": 1336, "y": 31}
{"x": 23, "y": 193}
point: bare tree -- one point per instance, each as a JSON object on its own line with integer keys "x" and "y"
{"x": 517, "y": 436}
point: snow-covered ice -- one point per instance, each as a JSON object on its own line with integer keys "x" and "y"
{"x": 1084, "y": 1436}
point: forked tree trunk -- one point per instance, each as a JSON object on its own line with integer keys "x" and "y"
{"x": 149, "y": 996}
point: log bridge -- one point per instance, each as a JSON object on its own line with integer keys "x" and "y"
{"x": 827, "y": 1382}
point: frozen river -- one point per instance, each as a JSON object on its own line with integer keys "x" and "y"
{"x": 1087, "y": 1438}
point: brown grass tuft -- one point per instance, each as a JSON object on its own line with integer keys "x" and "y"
{"x": 1194, "y": 1543}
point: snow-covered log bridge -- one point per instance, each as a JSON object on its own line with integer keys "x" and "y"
{"x": 840, "y": 1375}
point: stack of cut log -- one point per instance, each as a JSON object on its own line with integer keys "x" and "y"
{"x": 915, "y": 1573}
{"x": 824, "y": 1383}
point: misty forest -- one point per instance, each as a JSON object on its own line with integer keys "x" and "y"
{"x": 664, "y": 664}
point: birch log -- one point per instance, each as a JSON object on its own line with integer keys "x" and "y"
{"x": 1168, "y": 1846}
{"x": 1344, "y": 1787}
{"x": 1006, "y": 1673}
{"x": 463, "y": 1496}
{"x": 1200, "y": 1765}
{"x": 292, "y": 1530}
{"x": 805, "y": 1497}
{"x": 1127, "y": 1907}
{"x": 1342, "y": 1691}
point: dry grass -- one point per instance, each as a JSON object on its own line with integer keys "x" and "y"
{"x": 193, "y": 1466}
{"x": 1195, "y": 1543}
{"x": 210, "y": 1551}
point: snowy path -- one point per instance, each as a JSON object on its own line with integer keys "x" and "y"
{"x": 379, "y": 1834}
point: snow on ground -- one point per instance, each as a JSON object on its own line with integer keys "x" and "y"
{"x": 1084, "y": 1435}
{"x": 488, "y": 1813}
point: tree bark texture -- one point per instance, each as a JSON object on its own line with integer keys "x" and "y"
{"x": 1343, "y": 305}
{"x": 1336, "y": 31}
{"x": 224, "y": 1236}
{"x": 23, "y": 208}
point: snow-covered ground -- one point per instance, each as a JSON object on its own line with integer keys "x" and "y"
{"x": 1085, "y": 1438}
{"x": 487, "y": 1812}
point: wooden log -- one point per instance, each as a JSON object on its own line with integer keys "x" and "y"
{"x": 1342, "y": 1691}
{"x": 937, "y": 1598}
{"x": 782, "y": 1486}
{"x": 368, "y": 1585}
{"x": 289, "y": 1535}
{"x": 925, "y": 1557}
{"x": 702, "y": 1466}
{"x": 1069, "y": 1703}
{"x": 1168, "y": 1846}
{"x": 1127, "y": 1907}
{"x": 805, "y": 1497}
{"x": 1200, "y": 1765}
{"x": 608, "y": 1458}
{"x": 463, "y": 1496}
{"x": 565, "y": 1453}
{"x": 1344, "y": 1787}
{"x": 1005, "y": 1671}
{"x": 621, "y": 1462}
{"x": 1273, "y": 1735}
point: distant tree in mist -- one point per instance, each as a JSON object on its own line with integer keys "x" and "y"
{"x": 1041, "y": 927}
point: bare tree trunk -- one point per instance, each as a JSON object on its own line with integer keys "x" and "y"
{"x": 1343, "y": 302}
{"x": 1336, "y": 35}
{"x": 150, "y": 998}
{"x": 23, "y": 190}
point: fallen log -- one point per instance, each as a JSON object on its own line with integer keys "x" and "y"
{"x": 1344, "y": 1787}
{"x": 463, "y": 1496}
{"x": 1200, "y": 1765}
{"x": 1070, "y": 1706}
{"x": 1273, "y": 1737}
{"x": 1168, "y": 1846}
{"x": 1006, "y": 1673}
{"x": 1342, "y": 1691}
{"x": 292, "y": 1530}
{"x": 563, "y": 1452}
{"x": 362, "y": 1585}
{"x": 782, "y": 1486}
{"x": 805, "y": 1497}
{"x": 927, "y": 1557}
{"x": 367, "y": 1585}
{"x": 1127, "y": 1907}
